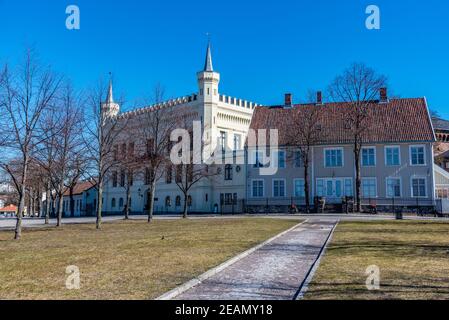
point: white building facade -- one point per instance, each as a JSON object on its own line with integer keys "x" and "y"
{"x": 225, "y": 120}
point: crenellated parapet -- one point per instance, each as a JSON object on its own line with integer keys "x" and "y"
{"x": 238, "y": 102}
{"x": 159, "y": 106}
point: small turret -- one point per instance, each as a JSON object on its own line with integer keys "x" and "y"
{"x": 109, "y": 107}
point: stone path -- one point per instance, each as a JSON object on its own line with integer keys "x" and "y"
{"x": 273, "y": 272}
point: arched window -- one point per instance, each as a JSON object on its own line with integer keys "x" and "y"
{"x": 120, "y": 203}
{"x": 113, "y": 203}
{"x": 228, "y": 172}
{"x": 189, "y": 201}
{"x": 178, "y": 201}
{"x": 167, "y": 201}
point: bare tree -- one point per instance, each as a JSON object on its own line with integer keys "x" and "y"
{"x": 156, "y": 126}
{"x": 68, "y": 145}
{"x": 188, "y": 173}
{"x": 24, "y": 96}
{"x": 358, "y": 86}
{"x": 102, "y": 130}
{"x": 304, "y": 133}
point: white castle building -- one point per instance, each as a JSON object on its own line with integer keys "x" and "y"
{"x": 226, "y": 119}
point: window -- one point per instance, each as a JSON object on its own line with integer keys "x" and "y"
{"x": 189, "y": 201}
{"x": 167, "y": 201}
{"x": 178, "y": 201}
{"x": 228, "y": 172}
{"x": 223, "y": 141}
{"x": 131, "y": 178}
{"x": 278, "y": 188}
{"x": 334, "y": 158}
{"x": 228, "y": 199}
{"x": 298, "y": 159}
{"x": 124, "y": 150}
{"x": 131, "y": 150}
{"x": 369, "y": 188}
{"x": 348, "y": 188}
{"x": 393, "y": 187}
{"x": 392, "y": 157}
{"x": 115, "y": 152}
{"x": 419, "y": 187}
{"x": 122, "y": 178}
{"x": 369, "y": 157}
{"x": 258, "y": 188}
{"x": 114, "y": 179}
{"x": 417, "y": 156}
{"x": 237, "y": 142}
{"x": 320, "y": 188}
{"x": 299, "y": 188}
{"x": 121, "y": 203}
{"x": 179, "y": 173}
{"x": 113, "y": 203}
{"x": 281, "y": 159}
{"x": 168, "y": 174}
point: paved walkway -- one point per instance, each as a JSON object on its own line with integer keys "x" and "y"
{"x": 273, "y": 272}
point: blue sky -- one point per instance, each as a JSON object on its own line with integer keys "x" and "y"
{"x": 261, "y": 48}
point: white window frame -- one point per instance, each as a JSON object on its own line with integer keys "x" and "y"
{"x": 392, "y": 147}
{"x": 400, "y": 186}
{"x": 411, "y": 186}
{"x": 410, "y": 155}
{"x": 285, "y": 188}
{"x": 375, "y": 184}
{"x": 297, "y": 152}
{"x": 284, "y": 158}
{"x": 375, "y": 156}
{"x": 342, "y": 157}
{"x": 294, "y": 187}
{"x": 252, "y": 188}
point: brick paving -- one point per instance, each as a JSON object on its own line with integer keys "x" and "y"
{"x": 273, "y": 272}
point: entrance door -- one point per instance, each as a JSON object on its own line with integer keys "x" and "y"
{"x": 334, "y": 189}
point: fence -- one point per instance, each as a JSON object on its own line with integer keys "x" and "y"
{"x": 419, "y": 206}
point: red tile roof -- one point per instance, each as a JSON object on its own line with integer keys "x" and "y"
{"x": 399, "y": 120}
{"x": 80, "y": 187}
{"x": 10, "y": 208}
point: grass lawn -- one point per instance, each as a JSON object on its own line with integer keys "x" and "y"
{"x": 413, "y": 258}
{"x": 125, "y": 260}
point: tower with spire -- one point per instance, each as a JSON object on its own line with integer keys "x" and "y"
{"x": 208, "y": 79}
{"x": 109, "y": 107}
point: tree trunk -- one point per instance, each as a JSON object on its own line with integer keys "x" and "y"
{"x": 357, "y": 182}
{"x": 60, "y": 207}
{"x": 18, "y": 231}
{"x": 100, "y": 205}
{"x": 306, "y": 187}
{"x": 72, "y": 202}
{"x": 184, "y": 215}
{"x": 48, "y": 204}
{"x": 128, "y": 200}
{"x": 151, "y": 202}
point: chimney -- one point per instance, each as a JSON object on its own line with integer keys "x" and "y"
{"x": 319, "y": 98}
{"x": 288, "y": 100}
{"x": 383, "y": 95}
